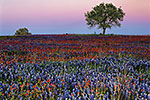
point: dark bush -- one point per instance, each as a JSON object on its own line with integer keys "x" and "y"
{"x": 22, "y": 32}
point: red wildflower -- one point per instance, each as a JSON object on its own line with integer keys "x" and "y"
{"x": 28, "y": 91}
{"x": 26, "y": 94}
{"x": 86, "y": 78}
{"x": 21, "y": 85}
{"x": 75, "y": 85}
{"x": 49, "y": 80}
{"x": 27, "y": 84}
{"x": 72, "y": 94}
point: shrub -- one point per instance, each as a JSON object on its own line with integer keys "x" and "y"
{"x": 22, "y": 32}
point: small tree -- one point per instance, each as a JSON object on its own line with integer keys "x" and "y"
{"x": 22, "y": 32}
{"x": 104, "y": 16}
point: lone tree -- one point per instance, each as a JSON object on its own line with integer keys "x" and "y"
{"x": 22, "y": 32}
{"x": 104, "y": 16}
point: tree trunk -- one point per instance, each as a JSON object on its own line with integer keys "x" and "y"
{"x": 104, "y": 29}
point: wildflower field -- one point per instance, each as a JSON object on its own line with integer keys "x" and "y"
{"x": 75, "y": 67}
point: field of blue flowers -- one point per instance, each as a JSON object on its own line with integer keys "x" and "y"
{"x": 66, "y": 67}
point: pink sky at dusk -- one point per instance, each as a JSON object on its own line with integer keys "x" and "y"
{"x": 56, "y": 16}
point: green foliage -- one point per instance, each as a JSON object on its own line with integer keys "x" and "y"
{"x": 22, "y": 32}
{"x": 100, "y": 34}
{"x": 104, "y": 16}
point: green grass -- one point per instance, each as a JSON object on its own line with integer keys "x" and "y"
{"x": 91, "y": 34}
{"x": 11, "y": 37}
{"x": 6, "y": 37}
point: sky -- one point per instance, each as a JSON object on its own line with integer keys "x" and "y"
{"x": 67, "y": 16}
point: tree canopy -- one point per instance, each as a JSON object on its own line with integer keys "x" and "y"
{"x": 104, "y": 16}
{"x": 22, "y": 32}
